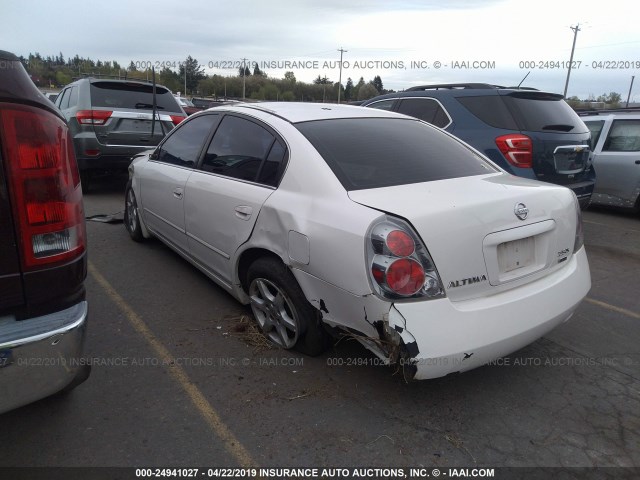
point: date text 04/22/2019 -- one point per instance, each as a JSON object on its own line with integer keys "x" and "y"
{"x": 578, "y": 64}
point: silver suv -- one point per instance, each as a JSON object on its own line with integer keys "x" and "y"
{"x": 112, "y": 120}
{"x": 616, "y": 156}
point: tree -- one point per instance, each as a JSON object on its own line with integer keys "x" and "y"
{"x": 348, "y": 89}
{"x": 612, "y": 99}
{"x": 377, "y": 82}
{"x": 290, "y": 77}
{"x": 257, "y": 71}
{"x": 322, "y": 80}
{"x": 357, "y": 88}
{"x": 367, "y": 91}
{"x": 132, "y": 67}
{"x": 195, "y": 73}
{"x": 244, "y": 71}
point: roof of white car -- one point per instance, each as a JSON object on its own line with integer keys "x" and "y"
{"x": 303, "y": 112}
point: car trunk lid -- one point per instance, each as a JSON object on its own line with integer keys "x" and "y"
{"x": 485, "y": 234}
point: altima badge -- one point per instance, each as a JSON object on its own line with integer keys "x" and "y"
{"x": 521, "y": 211}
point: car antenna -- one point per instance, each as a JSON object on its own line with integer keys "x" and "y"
{"x": 155, "y": 105}
{"x": 525, "y": 77}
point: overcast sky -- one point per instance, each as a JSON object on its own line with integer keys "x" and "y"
{"x": 383, "y": 37}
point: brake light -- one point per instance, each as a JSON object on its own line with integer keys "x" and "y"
{"x": 93, "y": 117}
{"x": 400, "y": 265}
{"x": 517, "y": 149}
{"x": 44, "y": 186}
{"x": 176, "y": 119}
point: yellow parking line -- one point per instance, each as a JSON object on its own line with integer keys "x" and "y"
{"x": 231, "y": 443}
{"x": 624, "y": 311}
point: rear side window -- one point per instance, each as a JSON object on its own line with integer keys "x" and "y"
{"x": 426, "y": 109}
{"x": 383, "y": 104}
{"x": 624, "y": 136}
{"x": 131, "y": 95}
{"x": 491, "y": 110}
{"x": 595, "y": 128}
{"x": 183, "y": 147}
{"x": 238, "y": 149}
{"x": 381, "y": 152}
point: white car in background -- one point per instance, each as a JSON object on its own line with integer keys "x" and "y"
{"x": 616, "y": 157}
{"x": 345, "y": 219}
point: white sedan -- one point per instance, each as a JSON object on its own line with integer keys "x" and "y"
{"x": 330, "y": 218}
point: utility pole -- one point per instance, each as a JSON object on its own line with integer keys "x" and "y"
{"x": 185, "y": 79}
{"x": 341, "y": 50}
{"x": 244, "y": 76}
{"x": 630, "y": 87}
{"x": 575, "y": 29}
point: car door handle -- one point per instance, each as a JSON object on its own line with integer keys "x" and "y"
{"x": 637, "y": 162}
{"x": 243, "y": 212}
{"x": 178, "y": 193}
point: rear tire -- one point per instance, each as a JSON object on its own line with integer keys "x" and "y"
{"x": 282, "y": 310}
{"x": 132, "y": 216}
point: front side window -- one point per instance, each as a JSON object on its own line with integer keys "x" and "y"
{"x": 425, "y": 109}
{"x": 238, "y": 149}
{"x": 624, "y": 136}
{"x": 183, "y": 147}
{"x": 382, "y": 152}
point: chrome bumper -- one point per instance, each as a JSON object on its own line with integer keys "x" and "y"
{"x": 40, "y": 356}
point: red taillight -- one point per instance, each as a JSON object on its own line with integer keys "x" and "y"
{"x": 176, "y": 119}
{"x": 400, "y": 265}
{"x": 405, "y": 276}
{"x": 44, "y": 185}
{"x": 400, "y": 243}
{"x": 93, "y": 117}
{"x": 517, "y": 149}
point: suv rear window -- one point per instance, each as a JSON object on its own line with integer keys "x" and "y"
{"x": 131, "y": 95}
{"x": 525, "y": 111}
{"x": 382, "y": 152}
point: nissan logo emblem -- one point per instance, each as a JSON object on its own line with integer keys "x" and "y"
{"x": 521, "y": 211}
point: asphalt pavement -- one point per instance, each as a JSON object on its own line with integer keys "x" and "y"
{"x": 181, "y": 378}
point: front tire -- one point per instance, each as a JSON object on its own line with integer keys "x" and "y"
{"x": 281, "y": 309}
{"x": 132, "y": 216}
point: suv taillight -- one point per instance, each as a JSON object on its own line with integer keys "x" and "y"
{"x": 93, "y": 117}
{"x": 399, "y": 264}
{"x": 176, "y": 119}
{"x": 44, "y": 185}
{"x": 517, "y": 149}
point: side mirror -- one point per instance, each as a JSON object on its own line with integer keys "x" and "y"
{"x": 154, "y": 155}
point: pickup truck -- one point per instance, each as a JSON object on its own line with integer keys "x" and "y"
{"x": 43, "y": 260}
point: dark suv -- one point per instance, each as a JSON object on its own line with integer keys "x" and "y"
{"x": 528, "y": 133}
{"x": 43, "y": 262}
{"x": 112, "y": 120}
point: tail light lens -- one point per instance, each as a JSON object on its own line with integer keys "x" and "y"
{"x": 579, "y": 239}
{"x": 93, "y": 117}
{"x": 176, "y": 119}
{"x": 44, "y": 186}
{"x": 517, "y": 149}
{"x": 400, "y": 265}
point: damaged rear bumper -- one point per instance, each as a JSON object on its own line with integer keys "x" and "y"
{"x": 455, "y": 337}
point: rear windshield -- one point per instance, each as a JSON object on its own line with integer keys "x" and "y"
{"x": 382, "y": 152}
{"x": 131, "y": 95}
{"x": 525, "y": 111}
